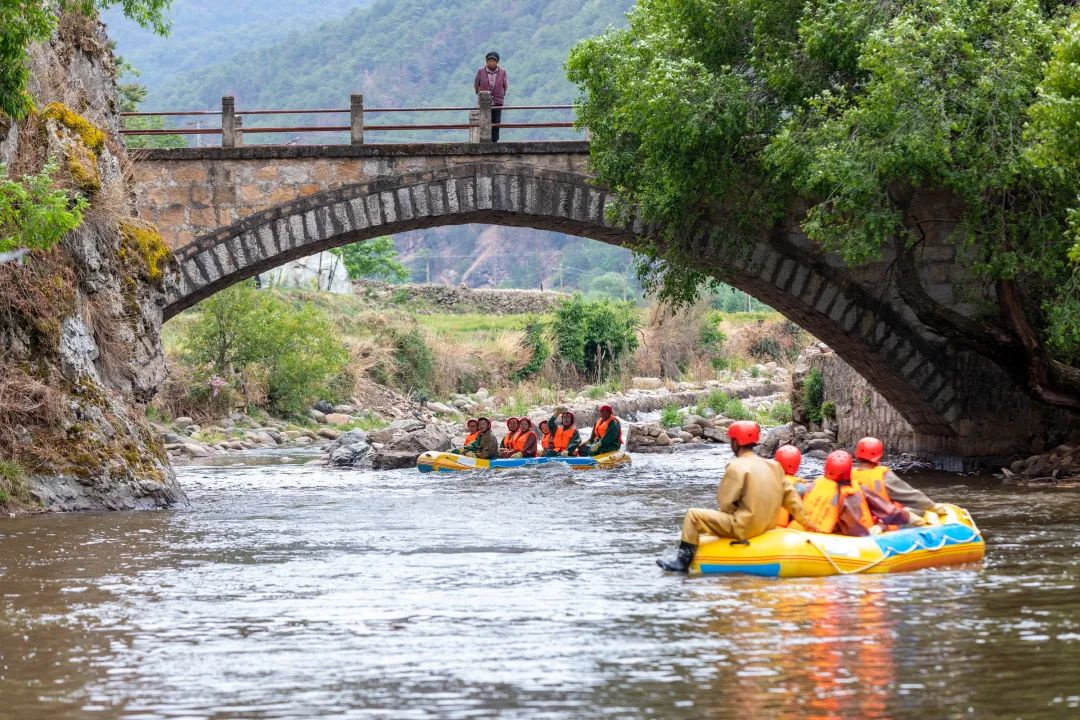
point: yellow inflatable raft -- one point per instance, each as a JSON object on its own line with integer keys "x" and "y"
{"x": 434, "y": 461}
{"x": 950, "y": 540}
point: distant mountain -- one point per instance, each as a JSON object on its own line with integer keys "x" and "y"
{"x": 270, "y": 53}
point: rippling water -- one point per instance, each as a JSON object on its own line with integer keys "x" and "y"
{"x": 297, "y": 592}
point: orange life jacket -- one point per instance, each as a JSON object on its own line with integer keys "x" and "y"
{"x": 547, "y": 442}
{"x": 509, "y": 439}
{"x": 562, "y": 438}
{"x": 873, "y": 479}
{"x": 519, "y": 441}
{"x": 599, "y": 430}
{"x": 471, "y": 437}
{"x": 823, "y": 503}
{"x": 783, "y": 517}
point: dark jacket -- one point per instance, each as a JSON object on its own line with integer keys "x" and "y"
{"x": 611, "y": 441}
{"x": 485, "y": 446}
{"x": 498, "y": 93}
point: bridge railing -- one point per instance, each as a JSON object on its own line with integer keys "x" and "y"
{"x": 232, "y": 131}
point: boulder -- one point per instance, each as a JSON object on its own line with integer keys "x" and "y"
{"x": 714, "y": 434}
{"x": 324, "y": 407}
{"x": 663, "y": 439}
{"x": 439, "y": 407}
{"x": 317, "y": 415}
{"x": 822, "y": 444}
{"x": 328, "y": 433}
{"x": 195, "y": 450}
{"x": 357, "y": 454}
{"x": 183, "y": 421}
{"x": 345, "y": 408}
{"x": 685, "y": 436}
{"x": 393, "y": 460}
{"x": 646, "y": 383}
{"x": 338, "y": 419}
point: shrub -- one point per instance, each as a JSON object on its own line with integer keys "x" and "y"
{"x": 671, "y": 416}
{"x": 296, "y": 347}
{"x": 813, "y": 395}
{"x": 828, "y": 410}
{"x": 534, "y": 341}
{"x": 769, "y": 341}
{"x": 414, "y": 363}
{"x": 595, "y": 336}
{"x": 374, "y": 258}
{"x": 776, "y": 414}
{"x": 33, "y": 215}
{"x": 12, "y": 482}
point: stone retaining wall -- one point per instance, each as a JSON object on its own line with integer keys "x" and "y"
{"x": 860, "y": 410}
{"x": 461, "y": 299}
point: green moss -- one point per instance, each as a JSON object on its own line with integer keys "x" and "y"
{"x": 143, "y": 241}
{"x": 83, "y": 167}
{"x": 89, "y": 134}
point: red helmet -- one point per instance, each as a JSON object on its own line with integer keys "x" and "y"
{"x": 870, "y": 449}
{"x": 744, "y": 432}
{"x": 838, "y": 465}
{"x": 605, "y": 408}
{"x": 789, "y": 458}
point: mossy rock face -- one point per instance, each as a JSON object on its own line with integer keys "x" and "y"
{"x": 91, "y": 135}
{"x": 83, "y": 166}
{"x": 144, "y": 242}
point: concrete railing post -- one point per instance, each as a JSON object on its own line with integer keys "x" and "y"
{"x": 485, "y": 116}
{"x": 474, "y": 126}
{"x": 356, "y": 119}
{"x": 240, "y": 131}
{"x": 228, "y": 121}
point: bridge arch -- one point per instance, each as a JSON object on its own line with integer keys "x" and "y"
{"x": 908, "y": 370}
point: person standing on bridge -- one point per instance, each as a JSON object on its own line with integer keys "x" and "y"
{"x": 492, "y": 78}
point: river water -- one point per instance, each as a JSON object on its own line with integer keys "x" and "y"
{"x": 287, "y": 591}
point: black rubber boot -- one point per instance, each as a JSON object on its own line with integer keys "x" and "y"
{"x": 681, "y": 563}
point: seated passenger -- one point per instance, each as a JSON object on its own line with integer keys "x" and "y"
{"x": 485, "y": 446}
{"x": 751, "y": 492}
{"x": 525, "y": 440}
{"x": 835, "y": 504}
{"x": 606, "y": 434}
{"x": 471, "y": 433}
{"x": 546, "y": 438}
{"x": 506, "y": 447}
{"x": 566, "y": 439}
{"x": 869, "y": 473}
{"x": 790, "y": 458}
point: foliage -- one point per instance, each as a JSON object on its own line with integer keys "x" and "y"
{"x": 374, "y": 258}
{"x": 415, "y": 367}
{"x": 132, "y": 94}
{"x": 595, "y": 336}
{"x": 734, "y": 111}
{"x": 33, "y": 214}
{"x": 828, "y": 410}
{"x": 23, "y": 22}
{"x": 610, "y": 284}
{"x": 539, "y": 348}
{"x": 712, "y": 341}
{"x": 12, "y": 482}
{"x": 776, "y": 414}
{"x": 813, "y": 394}
{"x": 241, "y": 327}
{"x": 671, "y": 416}
{"x": 724, "y": 404}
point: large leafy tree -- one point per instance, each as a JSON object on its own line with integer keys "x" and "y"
{"x": 735, "y": 112}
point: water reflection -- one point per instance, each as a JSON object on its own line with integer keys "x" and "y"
{"x": 288, "y": 591}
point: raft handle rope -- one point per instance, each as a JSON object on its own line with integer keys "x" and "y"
{"x": 889, "y": 552}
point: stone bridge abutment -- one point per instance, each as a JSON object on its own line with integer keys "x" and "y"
{"x": 230, "y": 213}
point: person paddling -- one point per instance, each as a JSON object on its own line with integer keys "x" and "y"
{"x": 749, "y": 496}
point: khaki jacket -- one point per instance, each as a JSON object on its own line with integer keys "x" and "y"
{"x": 753, "y": 490}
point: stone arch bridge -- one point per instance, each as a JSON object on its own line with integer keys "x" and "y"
{"x": 230, "y": 213}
